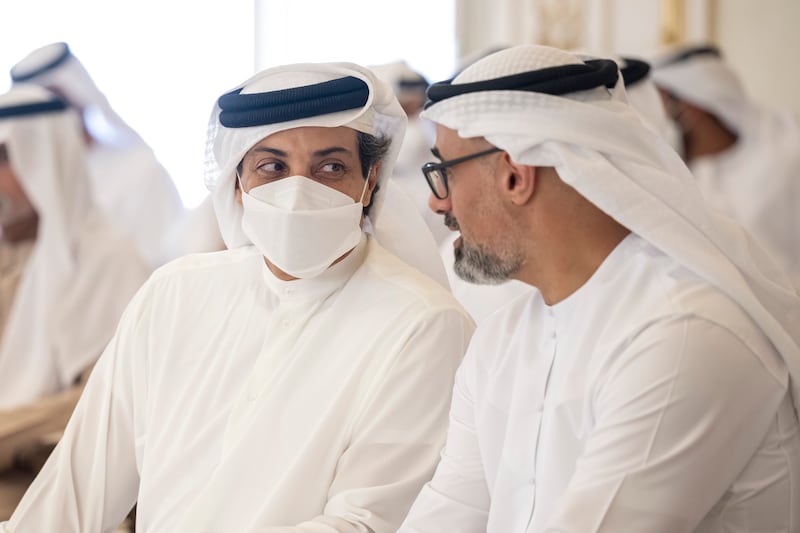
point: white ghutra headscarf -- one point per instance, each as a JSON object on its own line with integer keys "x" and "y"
{"x": 394, "y": 220}
{"x": 598, "y": 145}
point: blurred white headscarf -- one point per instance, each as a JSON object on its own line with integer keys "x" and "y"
{"x": 393, "y": 219}
{"x": 701, "y": 76}
{"x": 599, "y": 146}
{"x": 128, "y": 182}
{"x": 54, "y": 67}
{"x": 43, "y": 350}
{"x": 401, "y": 77}
{"x": 757, "y": 179}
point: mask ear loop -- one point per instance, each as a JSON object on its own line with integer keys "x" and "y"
{"x": 241, "y": 185}
{"x": 364, "y": 190}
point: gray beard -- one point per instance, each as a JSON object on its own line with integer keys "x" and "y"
{"x": 477, "y": 265}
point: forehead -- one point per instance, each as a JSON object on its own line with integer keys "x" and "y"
{"x": 448, "y": 142}
{"x": 309, "y": 139}
{"x": 446, "y": 137}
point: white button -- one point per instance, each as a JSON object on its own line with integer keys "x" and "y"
{"x": 289, "y": 292}
{"x": 285, "y": 323}
{"x": 539, "y": 407}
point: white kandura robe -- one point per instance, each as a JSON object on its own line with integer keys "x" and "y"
{"x": 644, "y": 402}
{"x": 82, "y": 312}
{"x": 231, "y": 401}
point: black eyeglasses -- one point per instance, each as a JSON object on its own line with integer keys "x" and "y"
{"x": 436, "y": 173}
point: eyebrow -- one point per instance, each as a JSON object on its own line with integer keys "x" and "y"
{"x": 435, "y": 152}
{"x": 319, "y": 153}
{"x": 275, "y": 151}
{"x": 331, "y": 150}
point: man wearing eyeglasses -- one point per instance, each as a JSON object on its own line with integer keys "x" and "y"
{"x": 649, "y": 382}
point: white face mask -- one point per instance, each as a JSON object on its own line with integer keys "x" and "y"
{"x": 300, "y": 225}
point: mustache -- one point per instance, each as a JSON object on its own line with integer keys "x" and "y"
{"x": 451, "y": 222}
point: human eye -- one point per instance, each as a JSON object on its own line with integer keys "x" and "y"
{"x": 332, "y": 169}
{"x": 271, "y": 167}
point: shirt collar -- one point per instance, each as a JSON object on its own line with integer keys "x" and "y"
{"x": 563, "y": 310}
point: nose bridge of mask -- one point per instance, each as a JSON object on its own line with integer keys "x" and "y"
{"x": 300, "y": 225}
{"x": 300, "y": 193}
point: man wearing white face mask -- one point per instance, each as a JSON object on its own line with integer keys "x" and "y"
{"x": 301, "y": 225}
{"x": 298, "y": 381}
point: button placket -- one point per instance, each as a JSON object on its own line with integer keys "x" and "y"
{"x": 552, "y": 337}
{"x": 265, "y": 364}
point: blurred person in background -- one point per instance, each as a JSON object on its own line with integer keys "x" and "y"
{"x": 409, "y": 86}
{"x": 744, "y": 155}
{"x": 66, "y": 273}
{"x": 128, "y": 182}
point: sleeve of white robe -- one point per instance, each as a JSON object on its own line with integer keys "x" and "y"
{"x": 89, "y": 483}
{"x": 678, "y": 415}
{"x": 457, "y": 498}
{"x": 398, "y": 436}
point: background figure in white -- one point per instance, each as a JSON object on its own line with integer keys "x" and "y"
{"x": 197, "y": 231}
{"x": 66, "y": 276}
{"x": 644, "y": 98}
{"x": 128, "y": 182}
{"x": 409, "y": 87}
{"x": 744, "y": 155}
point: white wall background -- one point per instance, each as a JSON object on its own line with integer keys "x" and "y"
{"x": 360, "y": 31}
{"x": 161, "y": 63}
{"x": 760, "y": 38}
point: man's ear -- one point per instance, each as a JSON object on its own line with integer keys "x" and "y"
{"x": 519, "y": 181}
